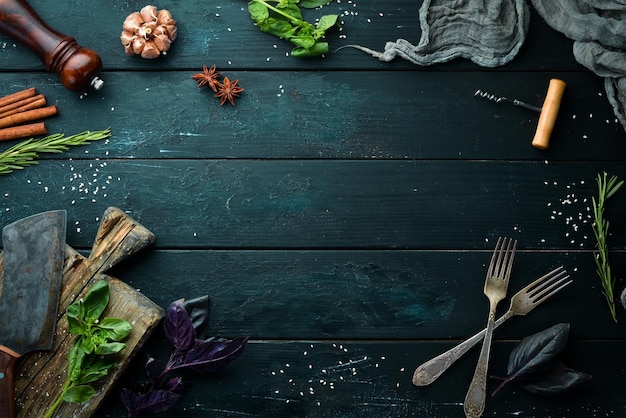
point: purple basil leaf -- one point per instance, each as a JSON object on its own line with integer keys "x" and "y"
{"x": 558, "y": 380}
{"x": 130, "y": 400}
{"x": 174, "y": 384}
{"x": 534, "y": 352}
{"x": 178, "y": 327}
{"x": 539, "y": 348}
{"x": 152, "y": 401}
{"x": 211, "y": 355}
{"x": 198, "y": 311}
{"x": 176, "y": 358}
{"x": 153, "y": 369}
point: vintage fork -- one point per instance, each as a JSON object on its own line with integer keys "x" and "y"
{"x": 496, "y": 284}
{"x": 521, "y": 304}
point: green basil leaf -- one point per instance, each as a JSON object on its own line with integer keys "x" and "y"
{"x": 558, "y": 380}
{"x": 278, "y": 28}
{"x": 94, "y": 367}
{"x": 307, "y": 31}
{"x": 86, "y": 344}
{"x": 75, "y": 310}
{"x": 93, "y": 375}
{"x": 75, "y": 359}
{"x": 312, "y": 4}
{"x": 75, "y": 327}
{"x": 96, "y": 300}
{"x": 284, "y": 19}
{"x": 258, "y": 12}
{"x": 319, "y": 48}
{"x": 305, "y": 42}
{"x": 79, "y": 394}
{"x": 292, "y": 10}
{"x": 109, "y": 348}
{"x": 326, "y": 22}
{"x": 117, "y": 329}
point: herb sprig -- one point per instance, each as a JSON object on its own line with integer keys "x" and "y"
{"x": 283, "y": 18}
{"x": 606, "y": 189}
{"x": 25, "y": 153}
{"x": 535, "y": 365}
{"x": 185, "y": 325}
{"x": 89, "y": 358}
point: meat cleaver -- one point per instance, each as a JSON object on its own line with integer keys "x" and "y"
{"x": 34, "y": 251}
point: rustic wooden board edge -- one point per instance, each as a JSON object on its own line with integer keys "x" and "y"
{"x": 40, "y": 375}
{"x": 121, "y": 296}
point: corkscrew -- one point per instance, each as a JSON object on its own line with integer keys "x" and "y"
{"x": 548, "y": 112}
{"x": 499, "y": 99}
{"x": 77, "y": 67}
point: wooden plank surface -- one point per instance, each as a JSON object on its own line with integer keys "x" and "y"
{"x": 327, "y": 204}
{"x": 342, "y": 214}
{"x": 439, "y": 110}
{"x": 356, "y": 294}
{"x": 354, "y": 379}
{"x": 224, "y": 33}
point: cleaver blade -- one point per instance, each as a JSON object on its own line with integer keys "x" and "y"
{"x": 34, "y": 253}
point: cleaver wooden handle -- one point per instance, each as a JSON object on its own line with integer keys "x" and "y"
{"x": 8, "y": 358}
{"x": 119, "y": 236}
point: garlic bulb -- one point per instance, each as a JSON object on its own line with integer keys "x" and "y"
{"x": 148, "y": 32}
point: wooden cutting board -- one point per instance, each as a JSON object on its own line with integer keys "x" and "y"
{"x": 40, "y": 376}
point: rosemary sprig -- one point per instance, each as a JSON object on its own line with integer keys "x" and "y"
{"x": 25, "y": 153}
{"x": 606, "y": 189}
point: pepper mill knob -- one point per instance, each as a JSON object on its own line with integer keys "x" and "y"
{"x": 77, "y": 67}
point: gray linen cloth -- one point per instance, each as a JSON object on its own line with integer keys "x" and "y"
{"x": 490, "y": 33}
{"x": 598, "y": 28}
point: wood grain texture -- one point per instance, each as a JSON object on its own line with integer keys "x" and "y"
{"x": 312, "y": 204}
{"x": 347, "y": 378}
{"x": 368, "y": 294}
{"x": 224, "y": 34}
{"x": 342, "y": 214}
{"x": 40, "y": 376}
{"x": 333, "y": 115}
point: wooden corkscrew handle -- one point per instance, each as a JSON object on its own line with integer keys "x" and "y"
{"x": 77, "y": 67}
{"x": 549, "y": 112}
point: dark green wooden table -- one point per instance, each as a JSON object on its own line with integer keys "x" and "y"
{"x": 343, "y": 213}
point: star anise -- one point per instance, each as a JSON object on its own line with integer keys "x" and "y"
{"x": 228, "y": 90}
{"x": 208, "y": 77}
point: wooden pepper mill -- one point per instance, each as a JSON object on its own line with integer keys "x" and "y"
{"x": 77, "y": 67}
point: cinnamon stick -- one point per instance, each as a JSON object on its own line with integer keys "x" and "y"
{"x": 23, "y": 105}
{"x": 11, "y": 98}
{"x": 23, "y": 131}
{"x": 28, "y": 116}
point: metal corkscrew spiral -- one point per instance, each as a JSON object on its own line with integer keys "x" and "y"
{"x": 499, "y": 99}
{"x": 488, "y": 96}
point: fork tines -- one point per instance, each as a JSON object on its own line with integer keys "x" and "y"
{"x": 549, "y": 284}
{"x": 505, "y": 250}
